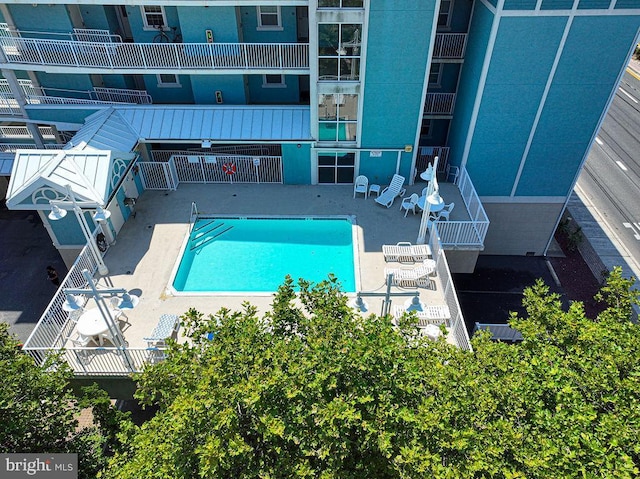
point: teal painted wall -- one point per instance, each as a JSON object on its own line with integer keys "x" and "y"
{"x": 296, "y": 164}
{"x": 392, "y": 100}
{"x": 220, "y": 20}
{"x": 194, "y": 21}
{"x": 59, "y": 114}
{"x": 251, "y": 34}
{"x": 556, "y": 4}
{"x": 140, "y": 35}
{"x": 68, "y": 231}
{"x": 519, "y": 4}
{"x": 50, "y": 18}
{"x": 522, "y": 59}
{"x": 169, "y": 94}
{"x": 595, "y": 52}
{"x": 590, "y": 4}
{"x": 381, "y": 170}
{"x": 479, "y": 30}
{"x": 95, "y": 16}
{"x": 460, "y": 17}
{"x": 274, "y": 96}
{"x": 61, "y": 81}
{"x": 231, "y": 86}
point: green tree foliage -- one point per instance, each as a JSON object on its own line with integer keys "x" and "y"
{"x": 39, "y": 410}
{"x": 315, "y": 390}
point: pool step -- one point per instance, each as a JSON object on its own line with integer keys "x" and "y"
{"x": 208, "y": 239}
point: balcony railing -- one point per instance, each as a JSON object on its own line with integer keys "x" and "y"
{"x": 450, "y": 46}
{"x": 13, "y": 147}
{"x": 58, "y": 96}
{"x": 23, "y": 132}
{"x": 154, "y": 56}
{"x": 439, "y": 103}
{"x": 468, "y": 234}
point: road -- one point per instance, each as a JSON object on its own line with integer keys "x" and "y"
{"x": 611, "y": 175}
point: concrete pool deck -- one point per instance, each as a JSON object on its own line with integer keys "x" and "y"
{"x": 148, "y": 245}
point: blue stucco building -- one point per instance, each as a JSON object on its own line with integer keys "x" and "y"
{"x": 320, "y": 91}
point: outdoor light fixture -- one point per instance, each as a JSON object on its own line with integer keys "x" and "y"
{"x": 414, "y": 304}
{"x": 69, "y": 202}
{"x": 128, "y": 301}
{"x": 360, "y": 304}
{"x": 72, "y": 303}
{"x": 101, "y": 214}
{"x": 206, "y": 144}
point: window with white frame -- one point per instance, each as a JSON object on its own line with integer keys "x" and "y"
{"x": 446, "y": 10}
{"x": 339, "y": 51}
{"x": 337, "y": 117}
{"x": 273, "y": 81}
{"x": 153, "y": 17}
{"x": 168, "y": 80}
{"x": 435, "y": 74}
{"x": 269, "y": 18}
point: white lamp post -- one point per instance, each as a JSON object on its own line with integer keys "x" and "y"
{"x": 59, "y": 211}
{"x": 432, "y": 194}
{"x": 127, "y": 301}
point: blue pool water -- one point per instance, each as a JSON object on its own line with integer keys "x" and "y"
{"x": 255, "y": 255}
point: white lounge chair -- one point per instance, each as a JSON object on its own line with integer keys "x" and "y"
{"x": 431, "y": 314}
{"x": 395, "y": 188}
{"x": 405, "y": 252}
{"x": 418, "y": 276}
{"x": 361, "y": 185}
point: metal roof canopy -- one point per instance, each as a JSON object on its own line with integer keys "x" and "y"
{"x": 46, "y": 173}
{"x": 104, "y": 130}
{"x": 230, "y": 123}
{"x": 86, "y": 161}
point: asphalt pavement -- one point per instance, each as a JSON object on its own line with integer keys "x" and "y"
{"x": 25, "y": 252}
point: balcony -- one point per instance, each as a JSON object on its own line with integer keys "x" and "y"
{"x": 57, "y": 96}
{"x": 439, "y": 105}
{"x": 53, "y": 55}
{"x": 449, "y": 47}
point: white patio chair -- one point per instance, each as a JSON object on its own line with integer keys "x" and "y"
{"x": 115, "y": 310}
{"x": 395, "y": 188}
{"x": 361, "y": 185}
{"x": 444, "y": 214}
{"x": 452, "y": 172}
{"x": 409, "y": 204}
{"x": 80, "y": 341}
{"x": 418, "y": 276}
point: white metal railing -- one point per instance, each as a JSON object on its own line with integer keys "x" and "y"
{"x": 439, "y": 103}
{"x": 23, "y": 132}
{"x": 54, "y": 325}
{"x": 242, "y": 150}
{"x": 102, "y": 361}
{"x": 51, "y": 333}
{"x": 450, "y": 46}
{"x": 466, "y": 234}
{"x": 42, "y": 95}
{"x": 9, "y": 105}
{"x": 456, "y": 324}
{"x": 158, "y": 175}
{"x": 121, "y": 95}
{"x": 13, "y": 147}
{"x": 154, "y": 56}
{"x": 427, "y": 155}
{"x": 228, "y": 169}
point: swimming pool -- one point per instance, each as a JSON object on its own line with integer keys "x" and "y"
{"x": 253, "y": 255}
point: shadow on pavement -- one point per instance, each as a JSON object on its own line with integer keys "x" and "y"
{"x": 25, "y": 252}
{"x": 496, "y": 287}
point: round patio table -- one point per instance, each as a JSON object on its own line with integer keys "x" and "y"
{"x": 92, "y": 324}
